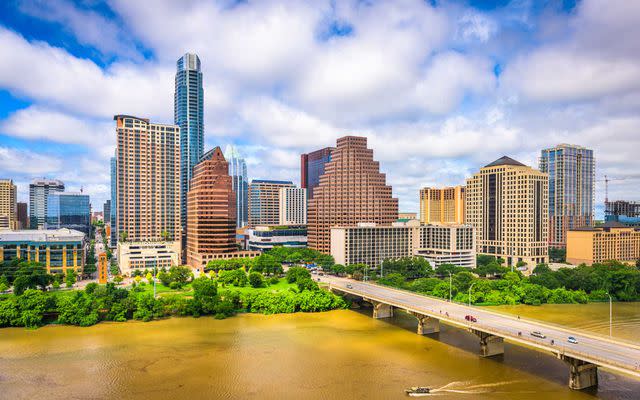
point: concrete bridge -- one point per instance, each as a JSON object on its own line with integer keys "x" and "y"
{"x": 583, "y": 358}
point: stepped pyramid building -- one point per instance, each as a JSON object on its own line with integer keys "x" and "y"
{"x": 352, "y": 190}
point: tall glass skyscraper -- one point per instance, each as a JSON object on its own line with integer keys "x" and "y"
{"x": 312, "y": 167}
{"x": 188, "y": 115}
{"x": 69, "y": 210}
{"x": 571, "y": 172}
{"x": 39, "y": 191}
{"x": 238, "y": 171}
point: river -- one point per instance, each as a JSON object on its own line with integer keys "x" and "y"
{"x": 334, "y": 355}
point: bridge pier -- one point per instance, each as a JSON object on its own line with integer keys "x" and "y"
{"x": 582, "y": 374}
{"x": 426, "y": 324}
{"x": 490, "y": 345}
{"x": 381, "y": 310}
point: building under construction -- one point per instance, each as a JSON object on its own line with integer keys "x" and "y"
{"x": 626, "y": 212}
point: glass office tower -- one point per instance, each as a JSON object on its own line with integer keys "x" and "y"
{"x": 69, "y": 210}
{"x": 312, "y": 167}
{"x": 238, "y": 171}
{"x": 39, "y": 191}
{"x": 571, "y": 172}
{"x": 188, "y": 115}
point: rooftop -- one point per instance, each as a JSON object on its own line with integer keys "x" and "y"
{"x": 32, "y": 235}
{"x": 504, "y": 160}
{"x": 273, "y": 182}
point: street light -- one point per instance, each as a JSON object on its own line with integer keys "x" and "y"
{"x": 470, "y": 293}
{"x": 450, "y": 277}
{"x": 610, "y": 313}
{"x": 155, "y": 272}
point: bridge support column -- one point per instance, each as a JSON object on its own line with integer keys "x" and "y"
{"x": 426, "y": 324}
{"x": 582, "y": 374}
{"x": 490, "y": 345}
{"x": 381, "y": 310}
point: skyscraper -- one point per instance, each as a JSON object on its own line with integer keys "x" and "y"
{"x": 507, "y": 202}
{"x": 238, "y": 172}
{"x": 23, "y": 216}
{"x": 293, "y": 206}
{"x": 8, "y": 206}
{"x": 113, "y": 240}
{"x": 312, "y": 167}
{"x": 351, "y": 190}
{"x": 442, "y": 205}
{"x": 106, "y": 212}
{"x": 264, "y": 201}
{"x": 188, "y": 115}
{"x": 39, "y": 191}
{"x": 211, "y": 222}
{"x": 571, "y": 172}
{"x": 147, "y": 180}
{"x": 69, "y": 210}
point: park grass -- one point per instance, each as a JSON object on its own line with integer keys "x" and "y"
{"x": 281, "y": 286}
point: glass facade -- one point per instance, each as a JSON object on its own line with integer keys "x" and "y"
{"x": 571, "y": 172}
{"x": 188, "y": 115}
{"x": 69, "y": 210}
{"x": 312, "y": 167}
{"x": 238, "y": 171}
{"x": 39, "y": 191}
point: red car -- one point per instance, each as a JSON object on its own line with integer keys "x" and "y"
{"x": 471, "y": 318}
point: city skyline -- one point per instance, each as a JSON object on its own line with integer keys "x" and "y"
{"x": 467, "y": 87}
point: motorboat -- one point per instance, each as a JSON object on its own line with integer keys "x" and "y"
{"x": 417, "y": 391}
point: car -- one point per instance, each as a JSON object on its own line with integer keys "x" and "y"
{"x": 349, "y": 286}
{"x": 572, "y": 340}
{"x": 538, "y": 335}
{"x": 470, "y": 318}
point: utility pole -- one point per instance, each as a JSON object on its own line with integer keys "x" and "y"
{"x": 155, "y": 272}
{"x": 610, "y": 314}
{"x": 470, "y": 293}
{"x": 450, "y": 282}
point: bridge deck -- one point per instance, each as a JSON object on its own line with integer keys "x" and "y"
{"x": 603, "y": 351}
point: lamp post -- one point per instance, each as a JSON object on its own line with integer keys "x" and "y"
{"x": 470, "y": 293}
{"x": 450, "y": 278}
{"x": 610, "y": 314}
{"x": 155, "y": 272}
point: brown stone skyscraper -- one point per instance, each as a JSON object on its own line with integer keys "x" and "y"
{"x": 351, "y": 190}
{"x": 211, "y": 210}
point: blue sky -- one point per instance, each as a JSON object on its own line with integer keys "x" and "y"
{"x": 439, "y": 87}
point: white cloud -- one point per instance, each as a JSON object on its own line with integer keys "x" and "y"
{"x": 27, "y": 162}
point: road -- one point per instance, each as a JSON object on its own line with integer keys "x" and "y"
{"x": 603, "y": 351}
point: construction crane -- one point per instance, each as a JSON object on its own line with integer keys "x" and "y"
{"x": 606, "y": 181}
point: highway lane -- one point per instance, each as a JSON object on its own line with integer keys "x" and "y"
{"x": 606, "y": 352}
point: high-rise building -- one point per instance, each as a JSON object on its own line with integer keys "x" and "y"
{"x": 69, "y": 210}
{"x": 39, "y": 191}
{"x": 293, "y": 206}
{"x": 312, "y": 167}
{"x": 23, "y": 216}
{"x": 351, "y": 190}
{"x": 626, "y": 212}
{"x": 188, "y": 115}
{"x": 8, "y": 206}
{"x": 507, "y": 203}
{"x": 106, "y": 212}
{"x": 571, "y": 172}
{"x": 113, "y": 239}
{"x": 211, "y": 222}
{"x": 442, "y": 205}
{"x": 264, "y": 201}
{"x": 147, "y": 180}
{"x": 238, "y": 172}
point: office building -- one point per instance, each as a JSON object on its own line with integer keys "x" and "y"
{"x": 264, "y": 201}
{"x": 611, "y": 241}
{"x": 211, "y": 223}
{"x": 626, "y": 212}
{"x": 8, "y": 205}
{"x": 147, "y": 180}
{"x": 263, "y": 238}
{"x": 69, "y": 210}
{"x": 39, "y": 191}
{"x": 407, "y": 216}
{"x": 571, "y": 172}
{"x": 106, "y": 212}
{"x": 58, "y": 250}
{"x": 351, "y": 190}
{"x": 293, "y": 206}
{"x": 507, "y": 203}
{"x": 371, "y": 244}
{"x": 113, "y": 233}
{"x": 238, "y": 172}
{"x": 442, "y": 205}
{"x": 312, "y": 167}
{"x": 189, "y": 116}
{"x": 147, "y": 255}
{"x": 23, "y": 216}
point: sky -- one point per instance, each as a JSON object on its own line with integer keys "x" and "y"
{"x": 439, "y": 87}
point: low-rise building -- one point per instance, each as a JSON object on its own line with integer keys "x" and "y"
{"x": 147, "y": 255}
{"x": 371, "y": 244}
{"x": 611, "y": 241}
{"x": 58, "y": 250}
{"x": 263, "y": 238}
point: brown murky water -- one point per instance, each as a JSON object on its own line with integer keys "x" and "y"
{"x": 334, "y": 355}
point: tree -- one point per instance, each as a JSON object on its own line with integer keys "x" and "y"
{"x": 306, "y": 284}
{"x": 149, "y": 277}
{"x": 113, "y": 269}
{"x": 30, "y": 275}
{"x": 557, "y": 254}
{"x": 338, "y": 269}
{"x": 4, "y": 284}
{"x": 484, "y": 259}
{"x": 256, "y": 280}
{"x": 295, "y": 273}
{"x": 165, "y": 235}
{"x": 267, "y": 264}
{"x": 70, "y": 278}
{"x": 118, "y": 279}
{"x": 124, "y": 236}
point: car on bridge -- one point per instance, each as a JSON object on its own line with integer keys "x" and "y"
{"x": 538, "y": 335}
{"x": 349, "y": 286}
{"x": 572, "y": 340}
{"x": 471, "y": 318}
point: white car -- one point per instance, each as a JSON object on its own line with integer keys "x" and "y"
{"x": 349, "y": 286}
{"x": 572, "y": 340}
